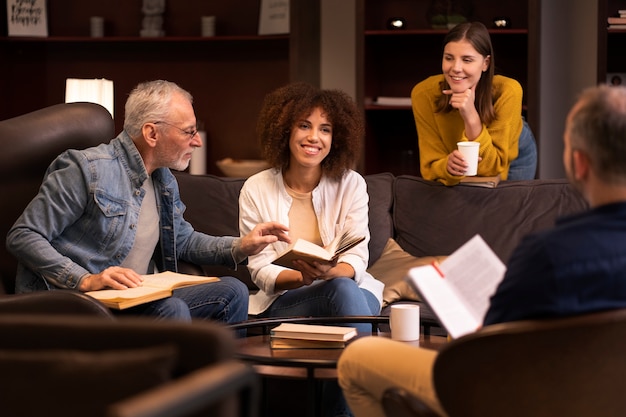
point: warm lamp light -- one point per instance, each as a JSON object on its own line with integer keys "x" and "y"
{"x": 98, "y": 91}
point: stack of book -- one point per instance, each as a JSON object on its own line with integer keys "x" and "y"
{"x": 618, "y": 22}
{"x": 310, "y": 336}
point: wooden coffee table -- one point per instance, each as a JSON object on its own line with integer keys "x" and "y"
{"x": 312, "y": 365}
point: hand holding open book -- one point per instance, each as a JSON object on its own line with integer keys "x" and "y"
{"x": 310, "y": 252}
{"x": 155, "y": 287}
{"x": 459, "y": 289}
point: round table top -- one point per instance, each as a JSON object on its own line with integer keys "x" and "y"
{"x": 257, "y": 350}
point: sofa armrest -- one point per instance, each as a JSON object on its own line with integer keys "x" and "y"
{"x": 54, "y": 302}
{"x": 194, "y": 392}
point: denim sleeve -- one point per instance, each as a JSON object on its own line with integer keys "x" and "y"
{"x": 60, "y": 201}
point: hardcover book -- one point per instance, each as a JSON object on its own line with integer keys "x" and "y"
{"x": 313, "y": 332}
{"x": 155, "y": 287}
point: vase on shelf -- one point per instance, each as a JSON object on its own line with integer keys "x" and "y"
{"x": 152, "y": 23}
{"x": 445, "y": 14}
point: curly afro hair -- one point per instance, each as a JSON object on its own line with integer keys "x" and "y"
{"x": 286, "y": 105}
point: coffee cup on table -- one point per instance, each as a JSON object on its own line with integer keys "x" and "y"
{"x": 404, "y": 321}
{"x": 470, "y": 154}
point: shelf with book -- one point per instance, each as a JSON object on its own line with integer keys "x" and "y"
{"x": 228, "y": 74}
{"x": 611, "y": 41}
{"x": 393, "y": 61}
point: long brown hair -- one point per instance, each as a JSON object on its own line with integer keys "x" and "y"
{"x": 478, "y": 36}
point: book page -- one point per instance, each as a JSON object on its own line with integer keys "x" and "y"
{"x": 474, "y": 271}
{"x": 127, "y": 294}
{"x": 344, "y": 242}
{"x": 170, "y": 280}
{"x": 443, "y": 300}
{"x": 459, "y": 289}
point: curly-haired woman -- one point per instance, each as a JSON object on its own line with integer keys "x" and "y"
{"x": 311, "y": 139}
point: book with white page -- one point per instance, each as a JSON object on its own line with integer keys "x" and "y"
{"x": 458, "y": 290}
{"x": 310, "y": 252}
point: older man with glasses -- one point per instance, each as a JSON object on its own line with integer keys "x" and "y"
{"x": 107, "y": 215}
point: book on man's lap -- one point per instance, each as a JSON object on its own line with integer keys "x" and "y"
{"x": 155, "y": 287}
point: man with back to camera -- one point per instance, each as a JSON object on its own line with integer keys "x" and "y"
{"x": 577, "y": 267}
{"x": 107, "y": 215}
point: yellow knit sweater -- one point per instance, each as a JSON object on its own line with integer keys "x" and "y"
{"x": 438, "y": 133}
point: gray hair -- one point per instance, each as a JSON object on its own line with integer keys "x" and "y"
{"x": 598, "y": 127}
{"x": 150, "y": 102}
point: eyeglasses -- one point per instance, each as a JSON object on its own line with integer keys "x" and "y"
{"x": 191, "y": 134}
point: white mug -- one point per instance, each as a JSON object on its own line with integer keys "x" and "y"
{"x": 404, "y": 321}
{"x": 470, "y": 154}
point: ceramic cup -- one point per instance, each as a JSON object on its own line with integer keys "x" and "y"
{"x": 470, "y": 154}
{"x": 208, "y": 25}
{"x": 404, "y": 321}
{"x": 96, "y": 26}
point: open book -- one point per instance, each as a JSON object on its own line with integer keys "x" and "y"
{"x": 155, "y": 287}
{"x": 458, "y": 289}
{"x": 309, "y": 252}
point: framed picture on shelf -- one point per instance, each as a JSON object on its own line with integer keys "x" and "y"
{"x": 616, "y": 78}
{"x": 27, "y": 18}
{"x": 274, "y": 17}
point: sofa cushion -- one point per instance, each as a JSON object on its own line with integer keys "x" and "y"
{"x": 432, "y": 219}
{"x": 380, "y": 191}
{"x": 391, "y": 268}
{"x": 213, "y": 208}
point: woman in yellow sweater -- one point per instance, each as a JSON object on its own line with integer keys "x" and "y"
{"x": 469, "y": 103}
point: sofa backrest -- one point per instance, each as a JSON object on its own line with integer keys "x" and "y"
{"x": 213, "y": 208}
{"x": 431, "y": 219}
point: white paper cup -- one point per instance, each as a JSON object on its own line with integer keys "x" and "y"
{"x": 96, "y": 26}
{"x": 470, "y": 154}
{"x": 404, "y": 321}
{"x": 208, "y": 25}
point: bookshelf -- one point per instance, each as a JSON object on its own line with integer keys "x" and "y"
{"x": 611, "y": 43}
{"x": 393, "y": 61}
{"x": 228, "y": 75}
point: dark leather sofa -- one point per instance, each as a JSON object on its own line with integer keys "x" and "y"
{"x": 424, "y": 218}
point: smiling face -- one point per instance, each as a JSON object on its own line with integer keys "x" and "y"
{"x": 311, "y": 139}
{"x": 462, "y": 65}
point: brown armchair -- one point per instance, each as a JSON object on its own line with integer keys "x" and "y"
{"x": 29, "y": 144}
{"x": 85, "y": 366}
{"x": 63, "y": 302}
{"x": 558, "y": 367}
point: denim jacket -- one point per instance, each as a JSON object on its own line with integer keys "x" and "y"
{"x": 84, "y": 218}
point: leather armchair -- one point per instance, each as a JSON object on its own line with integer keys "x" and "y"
{"x": 60, "y": 302}
{"x": 131, "y": 367}
{"x": 29, "y": 144}
{"x": 542, "y": 368}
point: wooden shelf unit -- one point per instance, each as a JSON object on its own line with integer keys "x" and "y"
{"x": 611, "y": 42}
{"x": 228, "y": 75}
{"x": 393, "y": 61}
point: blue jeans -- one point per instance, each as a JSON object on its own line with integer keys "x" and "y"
{"x": 524, "y": 167}
{"x": 225, "y": 301}
{"x": 337, "y": 297}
